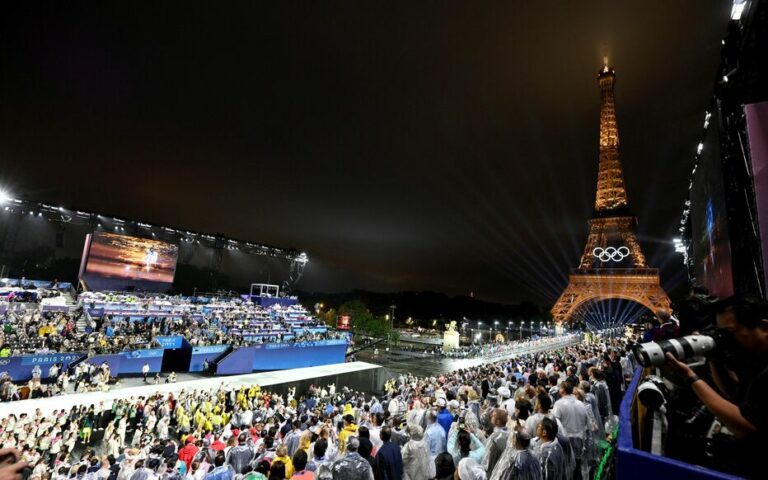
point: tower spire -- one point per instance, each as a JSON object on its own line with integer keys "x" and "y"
{"x": 611, "y": 193}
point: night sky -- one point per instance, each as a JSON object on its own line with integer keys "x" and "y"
{"x": 449, "y": 146}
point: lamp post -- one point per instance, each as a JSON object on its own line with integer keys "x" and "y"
{"x": 521, "y": 329}
{"x": 480, "y": 330}
{"x": 391, "y": 318}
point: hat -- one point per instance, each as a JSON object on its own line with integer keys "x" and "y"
{"x": 453, "y": 404}
{"x": 440, "y": 402}
{"x": 504, "y": 392}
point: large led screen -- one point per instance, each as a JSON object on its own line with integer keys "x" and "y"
{"x": 131, "y": 259}
{"x": 757, "y": 129}
{"x": 711, "y": 242}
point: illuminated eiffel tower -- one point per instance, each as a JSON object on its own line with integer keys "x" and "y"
{"x": 613, "y": 265}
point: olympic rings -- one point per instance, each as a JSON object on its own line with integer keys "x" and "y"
{"x": 611, "y": 253}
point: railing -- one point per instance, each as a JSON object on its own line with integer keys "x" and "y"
{"x": 632, "y": 463}
{"x": 614, "y": 271}
{"x": 526, "y": 349}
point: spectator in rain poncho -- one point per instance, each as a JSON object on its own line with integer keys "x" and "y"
{"x": 463, "y": 444}
{"x": 417, "y": 415}
{"x": 142, "y": 471}
{"x": 472, "y": 423}
{"x": 470, "y": 470}
{"x": 416, "y": 459}
{"x": 532, "y": 423}
{"x": 517, "y": 462}
{"x": 240, "y": 456}
{"x": 497, "y": 442}
{"x": 352, "y": 466}
{"x": 549, "y": 451}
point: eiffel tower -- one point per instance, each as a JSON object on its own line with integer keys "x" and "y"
{"x": 613, "y": 265}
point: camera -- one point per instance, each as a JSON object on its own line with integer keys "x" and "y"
{"x": 653, "y": 393}
{"x": 652, "y": 353}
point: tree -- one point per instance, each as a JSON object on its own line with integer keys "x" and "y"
{"x": 329, "y": 317}
{"x": 363, "y": 321}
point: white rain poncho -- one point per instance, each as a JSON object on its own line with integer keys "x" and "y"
{"x": 416, "y": 459}
{"x": 470, "y": 470}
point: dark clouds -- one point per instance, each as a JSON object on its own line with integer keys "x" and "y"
{"x": 441, "y": 145}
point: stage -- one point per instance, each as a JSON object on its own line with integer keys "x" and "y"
{"x": 361, "y": 376}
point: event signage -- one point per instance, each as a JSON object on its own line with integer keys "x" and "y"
{"x": 148, "y": 353}
{"x": 344, "y": 322}
{"x": 308, "y": 343}
{"x": 50, "y": 359}
{"x": 209, "y": 349}
{"x": 20, "y": 368}
{"x": 170, "y": 342}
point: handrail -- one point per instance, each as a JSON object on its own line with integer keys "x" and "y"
{"x": 615, "y": 271}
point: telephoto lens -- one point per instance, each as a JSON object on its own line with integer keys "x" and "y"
{"x": 651, "y": 354}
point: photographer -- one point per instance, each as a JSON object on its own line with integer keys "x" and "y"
{"x": 745, "y": 322}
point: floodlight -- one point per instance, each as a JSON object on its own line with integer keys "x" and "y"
{"x": 738, "y": 9}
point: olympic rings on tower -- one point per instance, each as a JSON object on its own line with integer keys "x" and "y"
{"x": 609, "y": 254}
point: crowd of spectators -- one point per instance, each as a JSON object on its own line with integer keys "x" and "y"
{"x": 139, "y": 321}
{"x": 535, "y": 416}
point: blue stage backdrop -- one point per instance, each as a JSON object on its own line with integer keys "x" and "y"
{"x": 133, "y": 361}
{"x": 201, "y": 354}
{"x": 20, "y": 368}
{"x": 113, "y": 360}
{"x": 283, "y": 356}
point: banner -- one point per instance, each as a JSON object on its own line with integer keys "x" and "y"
{"x": 209, "y": 349}
{"x": 171, "y": 342}
{"x": 344, "y": 322}
{"x": 20, "y": 368}
{"x": 51, "y": 358}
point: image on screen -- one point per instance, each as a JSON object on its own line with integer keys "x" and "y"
{"x": 131, "y": 258}
{"x": 709, "y": 222}
{"x": 757, "y": 129}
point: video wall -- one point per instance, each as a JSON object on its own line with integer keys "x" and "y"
{"x": 711, "y": 244}
{"x": 757, "y": 130}
{"x": 121, "y": 262}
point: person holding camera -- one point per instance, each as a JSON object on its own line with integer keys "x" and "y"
{"x": 462, "y": 443}
{"x": 743, "y": 321}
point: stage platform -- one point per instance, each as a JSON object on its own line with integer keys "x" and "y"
{"x": 361, "y": 376}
